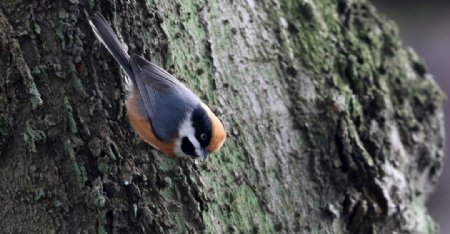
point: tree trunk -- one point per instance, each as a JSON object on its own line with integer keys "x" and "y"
{"x": 334, "y": 126}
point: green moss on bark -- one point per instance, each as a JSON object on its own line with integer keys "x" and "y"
{"x": 333, "y": 126}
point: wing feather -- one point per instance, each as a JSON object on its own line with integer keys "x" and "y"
{"x": 166, "y": 100}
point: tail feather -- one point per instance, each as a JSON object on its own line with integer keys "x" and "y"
{"x": 106, "y": 35}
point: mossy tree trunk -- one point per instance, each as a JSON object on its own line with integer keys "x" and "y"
{"x": 334, "y": 126}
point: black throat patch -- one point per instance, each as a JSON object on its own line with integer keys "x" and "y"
{"x": 187, "y": 147}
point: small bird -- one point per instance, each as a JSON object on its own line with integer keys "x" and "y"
{"x": 164, "y": 112}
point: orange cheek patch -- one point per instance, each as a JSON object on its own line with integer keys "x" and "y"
{"x": 143, "y": 128}
{"x": 218, "y": 132}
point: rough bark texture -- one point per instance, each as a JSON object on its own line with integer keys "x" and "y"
{"x": 334, "y": 126}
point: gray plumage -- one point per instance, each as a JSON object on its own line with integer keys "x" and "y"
{"x": 162, "y": 98}
{"x": 106, "y": 35}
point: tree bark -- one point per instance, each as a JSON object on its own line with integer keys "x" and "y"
{"x": 334, "y": 126}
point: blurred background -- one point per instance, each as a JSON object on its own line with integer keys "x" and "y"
{"x": 425, "y": 26}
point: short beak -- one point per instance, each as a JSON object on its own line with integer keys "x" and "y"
{"x": 204, "y": 154}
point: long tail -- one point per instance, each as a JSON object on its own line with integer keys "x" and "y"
{"x": 106, "y": 35}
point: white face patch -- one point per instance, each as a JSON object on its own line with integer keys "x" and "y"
{"x": 187, "y": 130}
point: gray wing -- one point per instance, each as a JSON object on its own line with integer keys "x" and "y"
{"x": 164, "y": 99}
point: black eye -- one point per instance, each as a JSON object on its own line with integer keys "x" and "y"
{"x": 202, "y": 126}
{"x": 203, "y": 136}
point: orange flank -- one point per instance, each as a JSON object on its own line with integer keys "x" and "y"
{"x": 143, "y": 128}
{"x": 218, "y": 132}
